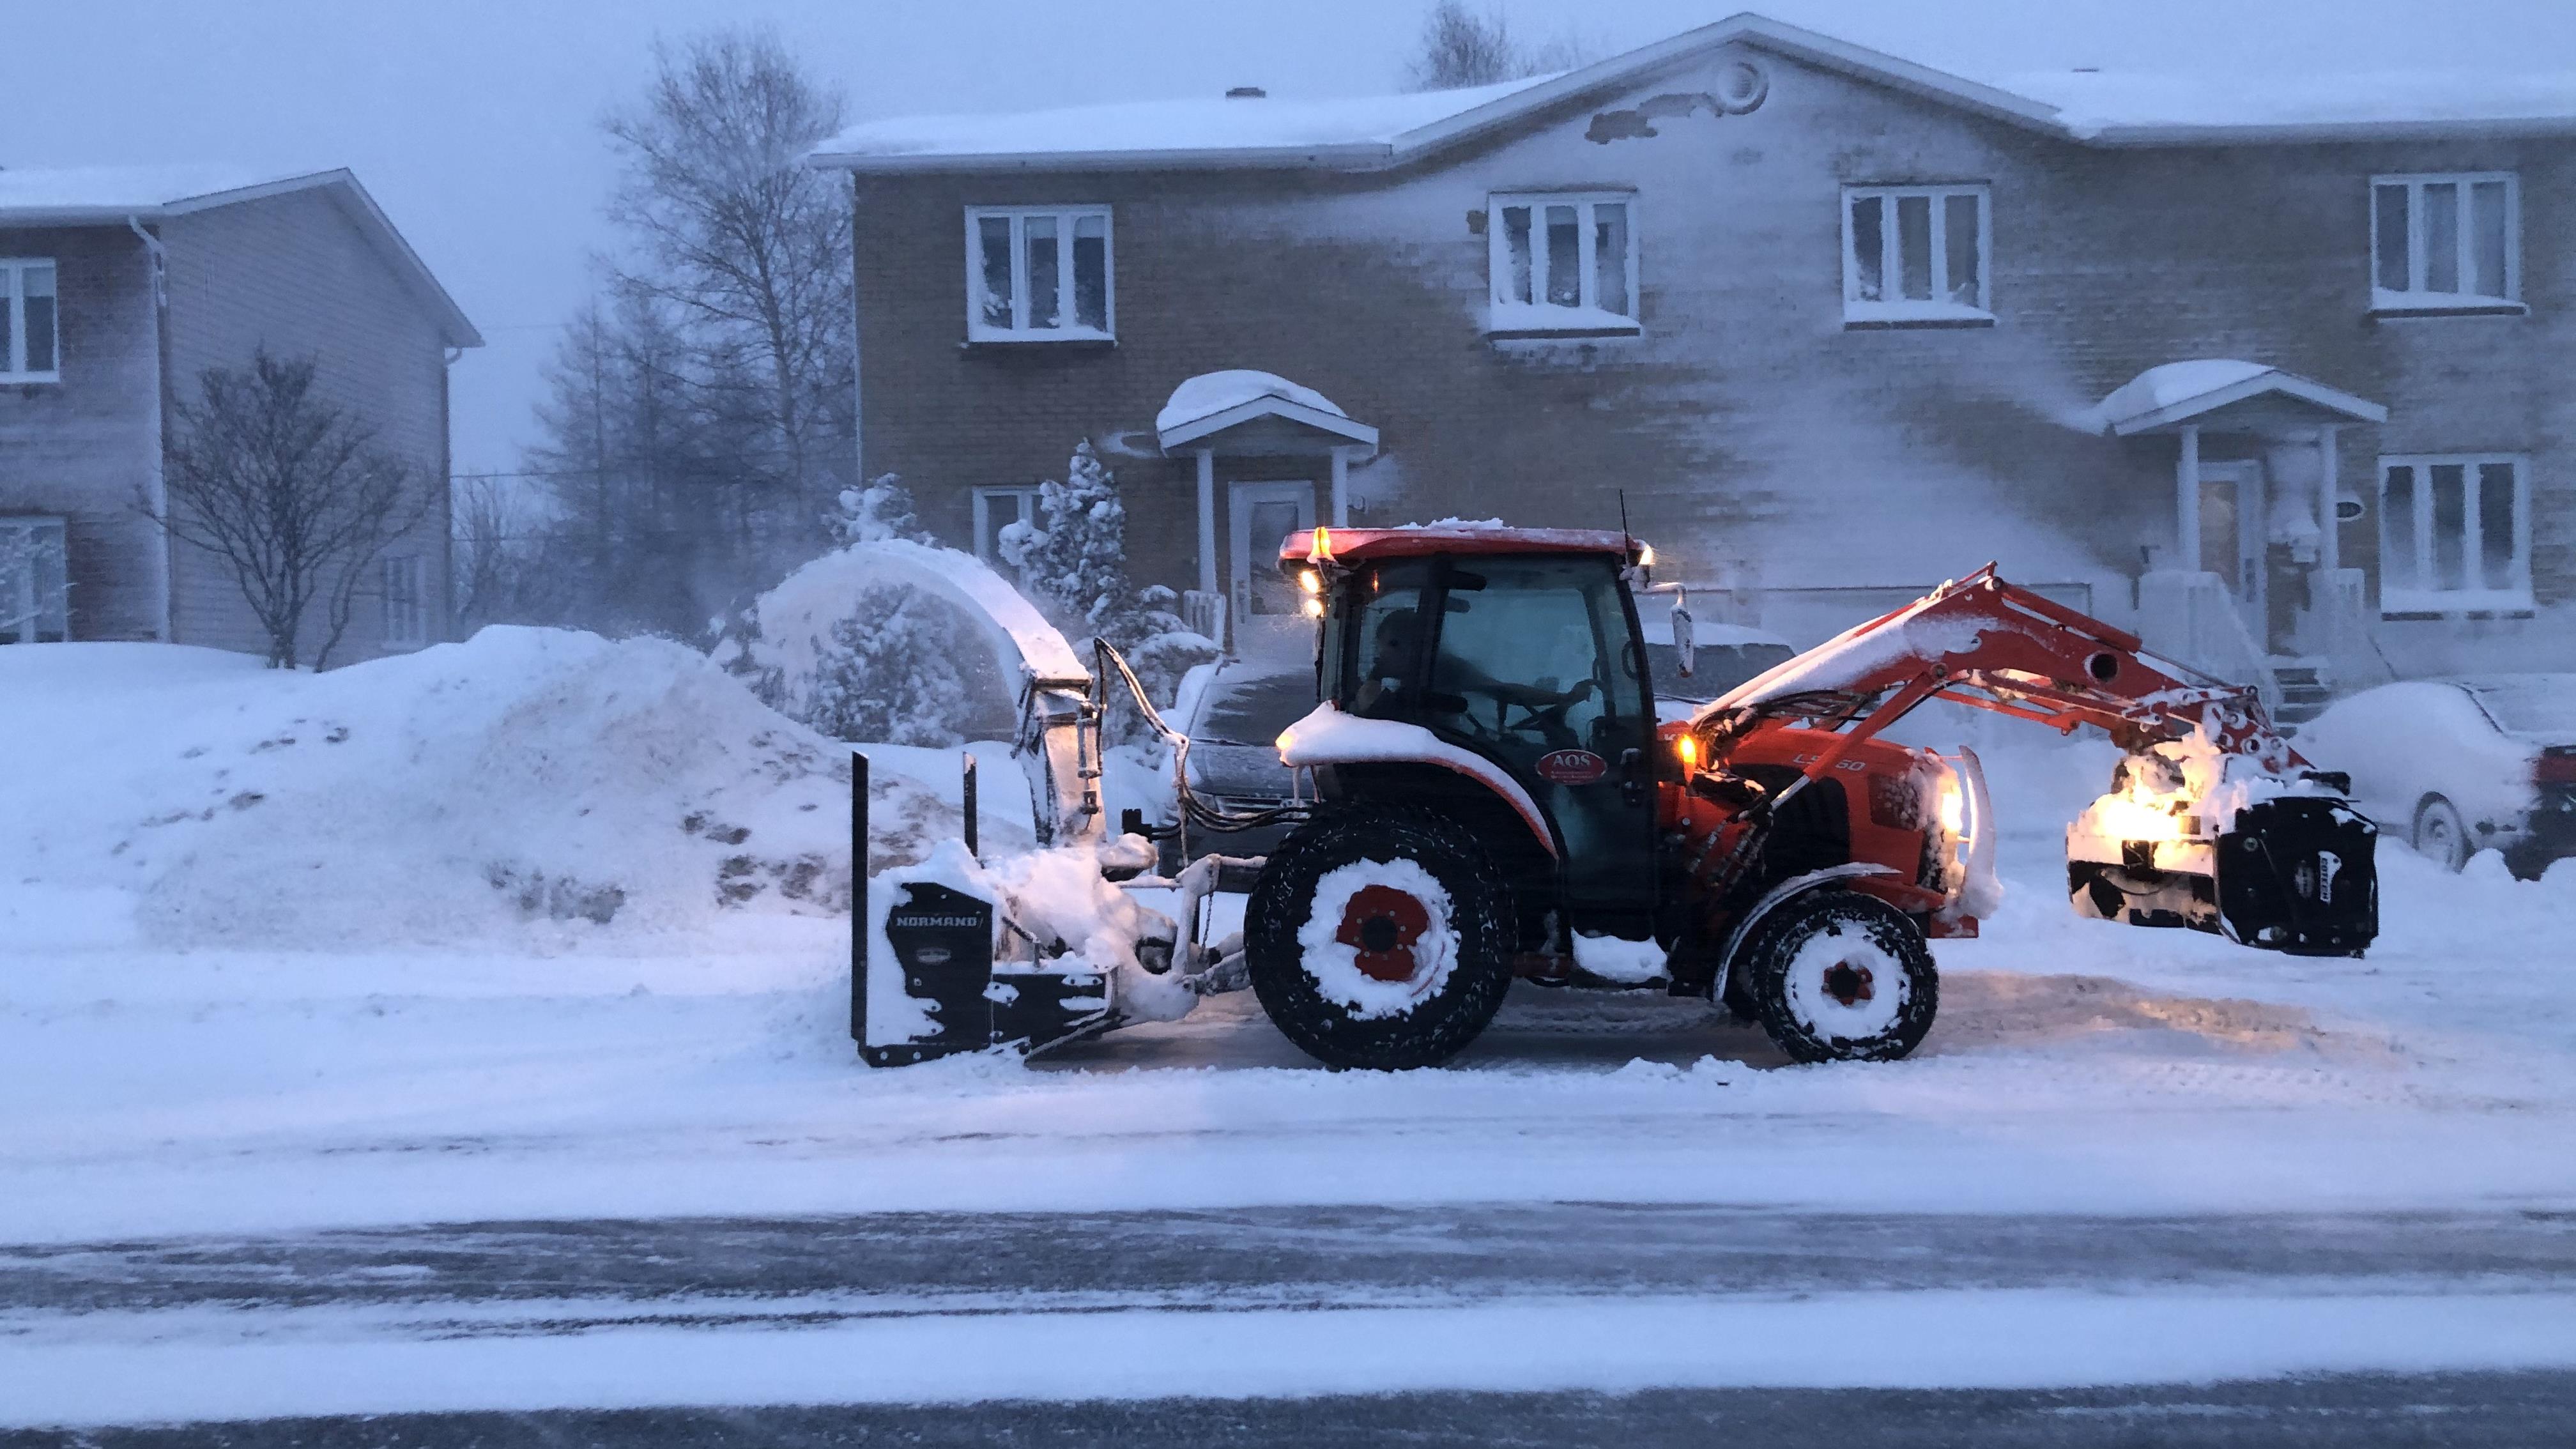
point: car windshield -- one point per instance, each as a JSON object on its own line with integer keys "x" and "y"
{"x": 2540, "y": 705}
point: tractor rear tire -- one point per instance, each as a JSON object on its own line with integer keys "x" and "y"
{"x": 1837, "y": 976}
{"x": 1380, "y": 938}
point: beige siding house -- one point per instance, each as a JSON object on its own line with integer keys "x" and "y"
{"x": 121, "y": 287}
{"x": 2277, "y": 376}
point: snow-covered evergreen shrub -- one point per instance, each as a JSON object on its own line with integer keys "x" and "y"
{"x": 1073, "y": 557}
{"x": 1072, "y": 560}
{"x": 880, "y": 511}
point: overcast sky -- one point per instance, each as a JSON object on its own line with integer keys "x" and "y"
{"x": 474, "y": 121}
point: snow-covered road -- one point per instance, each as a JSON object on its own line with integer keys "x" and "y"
{"x": 2085, "y": 1176}
{"x": 947, "y": 1308}
{"x": 2076, "y": 1066}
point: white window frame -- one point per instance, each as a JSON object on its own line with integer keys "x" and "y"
{"x": 406, "y": 620}
{"x": 2463, "y": 242}
{"x": 13, "y": 346}
{"x": 1026, "y": 493}
{"x": 978, "y": 330}
{"x": 1935, "y": 310}
{"x": 2514, "y": 595}
{"x": 1509, "y": 316}
{"x": 20, "y": 608}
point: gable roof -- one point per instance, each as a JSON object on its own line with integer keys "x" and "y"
{"x": 1212, "y": 402}
{"x": 2175, "y": 393}
{"x": 1377, "y": 132}
{"x": 111, "y": 195}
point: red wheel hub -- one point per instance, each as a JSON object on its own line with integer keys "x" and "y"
{"x": 1849, "y": 983}
{"x": 1381, "y": 923}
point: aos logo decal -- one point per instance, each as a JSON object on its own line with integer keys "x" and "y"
{"x": 1571, "y": 767}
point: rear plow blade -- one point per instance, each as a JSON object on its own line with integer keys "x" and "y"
{"x": 946, "y": 971}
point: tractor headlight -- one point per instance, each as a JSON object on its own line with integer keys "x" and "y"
{"x": 1310, "y": 581}
{"x": 1314, "y": 608}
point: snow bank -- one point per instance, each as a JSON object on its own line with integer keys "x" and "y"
{"x": 527, "y": 783}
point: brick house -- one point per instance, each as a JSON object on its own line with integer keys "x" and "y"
{"x": 2281, "y": 377}
{"x": 118, "y": 287}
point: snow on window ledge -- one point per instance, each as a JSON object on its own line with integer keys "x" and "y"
{"x": 1000, "y": 337}
{"x": 2385, "y": 303}
{"x": 28, "y": 379}
{"x": 1505, "y": 321}
{"x": 1915, "y": 314}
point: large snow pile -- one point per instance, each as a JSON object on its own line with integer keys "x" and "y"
{"x": 529, "y": 784}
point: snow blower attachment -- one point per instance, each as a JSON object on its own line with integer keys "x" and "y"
{"x": 961, "y": 955}
{"x": 2194, "y": 836}
{"x": 1495, "y": 800}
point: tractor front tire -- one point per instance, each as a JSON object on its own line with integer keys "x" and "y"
{"x": 1380, "y": 938}
{"x": 1837, "y": 976}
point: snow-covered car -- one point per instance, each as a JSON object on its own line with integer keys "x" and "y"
{"x": 1233, "y": 722}
{"x": 2461, "y": 765}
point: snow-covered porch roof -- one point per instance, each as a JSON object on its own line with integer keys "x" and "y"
{"x": 2202, "y": 392}
{"x": 1240, "y": 411}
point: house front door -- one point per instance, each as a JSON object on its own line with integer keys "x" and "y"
{"x": 2231, "y": 534}
{"x": 1265, "y": 604}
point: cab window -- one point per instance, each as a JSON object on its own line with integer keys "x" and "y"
{"x": 1536, "y": 655}
{"x": 1381, "y": 645}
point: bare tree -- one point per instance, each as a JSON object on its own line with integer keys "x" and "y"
{"x": 506, "y": 570}
{"x": 1462, "y": 47}
{"x": 290, "y": 491}
{"x": 748, "y": 250}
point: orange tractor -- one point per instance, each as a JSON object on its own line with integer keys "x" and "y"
{"x": 1494, "y": 798}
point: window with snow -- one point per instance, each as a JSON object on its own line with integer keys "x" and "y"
{"x": 1917, "y": 254}
{"x": 34, "y": 592}
{"x": 997, "y": 509}
{"x": 1039, "y": 274}
{"x": 28, "y": 350}
{"x": 2446, "y": 243}
{"x": 2454, "y": 534}
{"x": 1563, "y": 264}
{"x": 406, "y": 613}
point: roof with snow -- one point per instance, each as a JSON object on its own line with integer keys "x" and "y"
{"x": 112, "y": 195}
{"x": 2182, "y": 392}
{"x": 1215, "y": 402}
{"x": 1375, "y": 132}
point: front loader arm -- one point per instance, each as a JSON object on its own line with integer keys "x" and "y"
{"x": 2211, "y": 823}
{"x": 1995, "y": 645}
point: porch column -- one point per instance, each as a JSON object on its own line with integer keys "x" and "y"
{"x": 2329, "y": 543}
{"x": 2187, "y": 501}
{"x": 1207, "y": 520}
{"x": 1341, "y": 488}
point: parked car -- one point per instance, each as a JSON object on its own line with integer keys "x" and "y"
{"x": 2457, "y": 766}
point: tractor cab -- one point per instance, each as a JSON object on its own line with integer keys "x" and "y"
{"x": 1518, "y": 652}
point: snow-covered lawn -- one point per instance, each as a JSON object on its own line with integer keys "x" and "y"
{"x": 194, "y": 1037}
